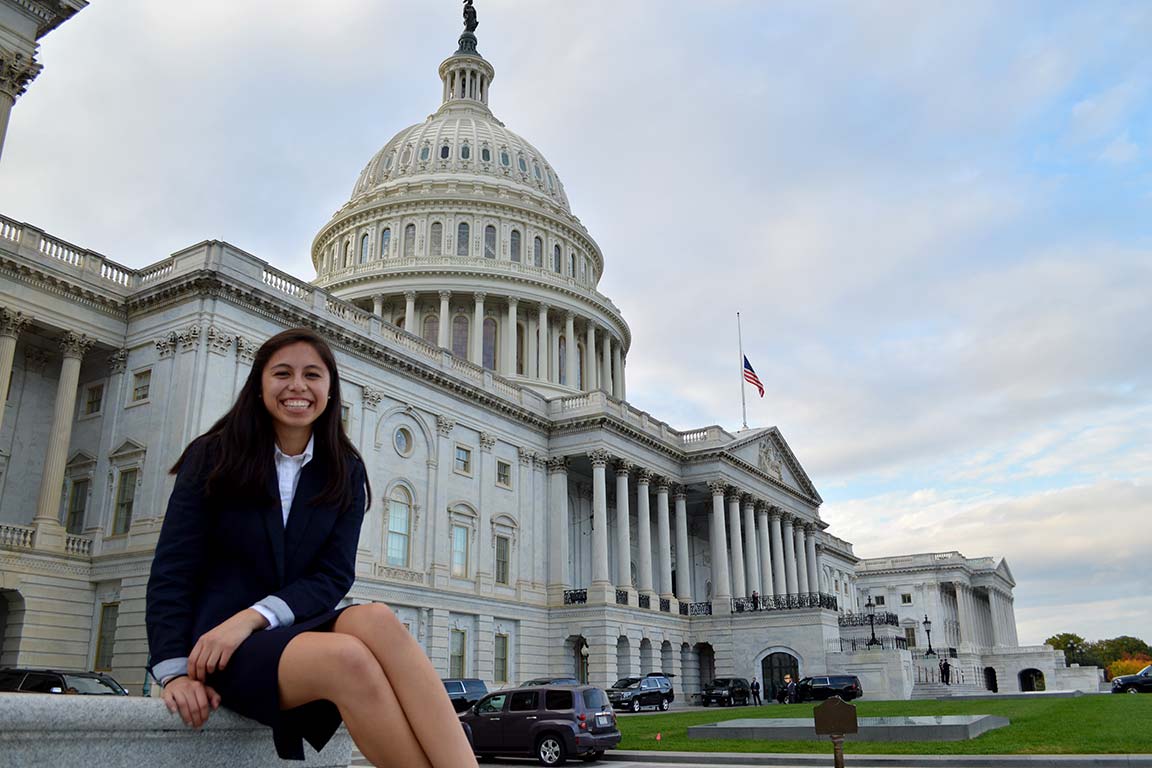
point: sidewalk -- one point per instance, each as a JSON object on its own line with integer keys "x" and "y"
{"x": 885, "y": 761}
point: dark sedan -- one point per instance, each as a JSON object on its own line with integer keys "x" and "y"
{"x": 1141, "y": 682}
{"x": 59, "y": 681}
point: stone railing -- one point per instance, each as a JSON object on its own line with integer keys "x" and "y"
{"x": 78, "y": 731}
{"x": 601, "y": 402}
{"x": 17, "y": 536}
{"x": 78, "y": 545}
{"x": 797, "y": 601}
{"x": 61, "y": 252}
{"x": 880, "y": 618}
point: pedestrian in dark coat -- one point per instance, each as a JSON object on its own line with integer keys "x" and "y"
{"x": 755, "y": 691}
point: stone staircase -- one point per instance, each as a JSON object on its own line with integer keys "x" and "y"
{"x": 941, "y": 691}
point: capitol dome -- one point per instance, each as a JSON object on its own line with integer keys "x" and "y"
{"x": 460, "y": 232}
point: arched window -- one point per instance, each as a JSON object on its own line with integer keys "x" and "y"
{"x": 571, "y": 265}
{"x": 431, "y": 328}
{"x": 579, "y": 366}
{"x": 583, "y": 270}
{"x": 460, "y": 336}
{"x": 365, "y": 244}
{"x": 485, "y": 154}
{"x": 406, "y": 156}
{"x": 445, "y": 152}
{"x": 462, "y": 239}
{"x": 348, "y": 254}
{"x": 399, "y": 524}
{"x": 490, "y": 343}
{"x": 436, "y": 246}
{"x": 514, "y": 245}
{"x": 385, "y": 241}
{"x": 538, "y": 252}
{"x": 389, "y": 160}
{"x": 409, "y": 241}
{"x": 425, "y": 152}
{"x": 556, "y": 259}
{"x": 489, "y": 242}
{"x": 523, "y": 164}
{"x": 563, "y": 345}
{"x": 505, "y": 160}
{"x": 465, "y": 152}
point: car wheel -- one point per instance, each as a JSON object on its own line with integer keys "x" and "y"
{"x": 1132, "y": 690}
{"x": 664, "y": 704}
{"x": 550, "y": 750}
{"x": 635, "y": 705}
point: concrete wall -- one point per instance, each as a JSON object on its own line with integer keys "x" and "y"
{"x": 884, "y": 674}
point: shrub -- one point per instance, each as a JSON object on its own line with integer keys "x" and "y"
{"x": 1129, "y": 665}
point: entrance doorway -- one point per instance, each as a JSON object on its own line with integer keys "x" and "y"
{"x": 773, "y": 667}
{"x": 990, "y": 679}
{"x": 1031, "y": 680}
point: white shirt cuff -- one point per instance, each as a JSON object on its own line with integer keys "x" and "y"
{"x": 273, "y": 622}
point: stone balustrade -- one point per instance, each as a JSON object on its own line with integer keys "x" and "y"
{"x": 57, "y": 731}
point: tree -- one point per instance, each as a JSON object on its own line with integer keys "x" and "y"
{"x": 1120, "y": 647}
{"x": 1073, "y": 645}
{"x": 1129, "y": 665}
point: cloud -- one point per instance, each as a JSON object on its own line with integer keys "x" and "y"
{"x": 1120, "y": 151}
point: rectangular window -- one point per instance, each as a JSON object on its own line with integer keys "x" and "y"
{"x": 501, "y": 660}
{"x": 910, "y": 636}
{"x": 460, "y": 551}
{"x": 125, "y": 496}
{"x": 77, "y": 505}
{"x": 141, "y": 384}
{"x": 398, "y": 533}
{"x": 878, "y": 600}
{"x": 906, "y": 599}
{"x": 345, "y": 416}
{"x": 503, "y": 552}
{"x": 106, "y": 637}
{"x": 457, "y": 642}
{"x": 503, "y": 474}
{"x": 463, "y": 460}
{"x": 93, "y": 399}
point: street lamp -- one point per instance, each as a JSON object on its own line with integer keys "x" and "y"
{"x": 871, "y": 608}
{"x": 928, "y": 631}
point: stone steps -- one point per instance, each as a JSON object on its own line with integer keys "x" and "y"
{"x": 941, "y": 691}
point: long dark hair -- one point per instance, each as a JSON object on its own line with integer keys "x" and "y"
{"x": 244, "y": 438}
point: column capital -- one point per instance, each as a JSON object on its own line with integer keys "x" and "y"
{"x": 763, "y": 506}
{"x": 487, "y": 441}
{"x": 513, "y": 301}
{"x": 557, "y": 464}
{"x": 445, "y": 425}
{"x": 75, "y": 344}
{"x": 624, "y": 468}
{"x": 12, "y": 323}
{"x": 524, "y": 455}
{"x": 372, "y": 397}
{"x": 748, "y": 500}
{"x": 679, "y": 491}
{"x": 544, "y": 307}
{"x": 662, "y": 483}
{"x": 718, "y": 487}
{"x": 570, "y": 316}
{"x": 733, "y": 494}
{"x": 17, "y": 72}
{"x": 644, "y": 476}
{"x": 445, "y": 295}
{"x": 409, "y": 295}
{"x": 118, "y": 361}
{"x": 599, "y": 457}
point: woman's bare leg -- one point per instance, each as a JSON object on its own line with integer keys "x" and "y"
{"x": 341, "y": 669}
{"x": 417, "y": 686}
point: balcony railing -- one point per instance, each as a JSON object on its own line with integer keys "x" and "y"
{"x": 621, "y": 597}
{"x": 683, "y": 609}
{"x": 644, "y": 601}
{"x": 861, "y": 619}
{"x": 665, "y": 605}
{"x": 575, "y": 596}
{"x": 852, "y": 644}
{"x": 700, "y": 609}
{"x": 783, "y": 602}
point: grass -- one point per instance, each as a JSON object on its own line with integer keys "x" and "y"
{"x": 1085, "y": 725}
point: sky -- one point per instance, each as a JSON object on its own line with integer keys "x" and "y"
{"x": 934, "y": 218}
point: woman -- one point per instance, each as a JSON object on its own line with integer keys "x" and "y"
{"x": 257, "y": 548}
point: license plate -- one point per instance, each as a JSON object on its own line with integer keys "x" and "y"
{"x": 603, "y": 720}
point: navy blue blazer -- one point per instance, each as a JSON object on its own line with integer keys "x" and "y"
{"x": 216, "y": 558}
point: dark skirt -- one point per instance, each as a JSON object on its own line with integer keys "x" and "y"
{"x": 250, "y": 686}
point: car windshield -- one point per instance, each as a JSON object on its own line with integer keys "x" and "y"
{"x": 90, "y": 685}
{"x": 626, "y": 682}
{"x": 1146, "y": 671}
{"x": 721, "y": 682}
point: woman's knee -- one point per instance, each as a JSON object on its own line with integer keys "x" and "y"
{"x": 374, "y": 618}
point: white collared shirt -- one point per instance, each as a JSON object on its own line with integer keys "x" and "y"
{"x": 288, "y": 470}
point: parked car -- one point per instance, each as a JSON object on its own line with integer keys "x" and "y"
{"x": 560, "y": 680}
{"x": 726, "y": 690}
{"x": 464, "y": 692}
{"x": 847, "y": 687}
{"x": 1141, "y": 682}
{"x": 59, "y": 681}
{"x": 549, "y": 722}
{"x": 652, "y": 690}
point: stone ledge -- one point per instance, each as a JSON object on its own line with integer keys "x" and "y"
{"x": 55, "y": 731}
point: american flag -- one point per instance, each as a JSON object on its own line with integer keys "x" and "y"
{"x": 751, "y": 377}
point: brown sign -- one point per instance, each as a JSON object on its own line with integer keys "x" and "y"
{"x": 835, "y": 716}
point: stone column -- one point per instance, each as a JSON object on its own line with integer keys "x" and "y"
{"x": 477, "y": 348}
{"x": 570, "y": 363}
{"x": 554, "y": 337}
{"x": 683, "y": 554}
{"x": 779, "y": 580}
{"x": 751, "y": 557}
{"x": 644, "y": 535}
{"x": 721, "y": 585}
{"x": 511, "y": 345}
{"x": 813, "y": 563}
{"x": 558, "y": 522}
{"x": 606, "y": 363}
{"x": 617, "y": 371}
{"x": 444, "y": 333}
{"x": 765, "y": 547}
{"x": 663, "y": 540}
{"x": 49, "y": 533}
{"x": 410, "y": 313}
{"x": 623, "y": 529}
{"x": 736, "y": 543}
{"x": 11, "y": 324}
{"x": 965, "y": 617}
{"x": 590, "y": 357}
{"x": 438, "y": 522}
{"x": 600, "y": 575}
{"x": 802, "y": 584}
{"x": 791, "y": 581}
{"x": 1013, "y": 639}
{"x": 378, "y": 305}
{"x": 18, "y": 72}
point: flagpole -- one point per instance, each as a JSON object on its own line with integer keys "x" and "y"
{"x": 743, "y": 401}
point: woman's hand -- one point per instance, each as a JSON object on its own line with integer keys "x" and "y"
{"x": 216, "y": 646}
{"x": 192, "y": 700}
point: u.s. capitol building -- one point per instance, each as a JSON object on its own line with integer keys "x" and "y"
{"x": 527, "y": 520}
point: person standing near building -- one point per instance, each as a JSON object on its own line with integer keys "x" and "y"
{"x": 946, "y": 672}
{"x": 755, "y": 691}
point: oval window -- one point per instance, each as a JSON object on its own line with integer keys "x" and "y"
{"x": 388, "y": 162}
{"x": 536, "y": 170}
{"x": 465, "y": 152}
{"x": 403, "y": 441}
{"x": 505, "y": 160}
{"x": 486, "y": 155}
{"x": 425, "y": 152}
{"x": 523, "y": 164}
{"x": 445, "y": 152}
{"x": 407, "y": 156}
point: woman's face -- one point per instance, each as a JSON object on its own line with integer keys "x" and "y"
{"x": 294, "y": 386}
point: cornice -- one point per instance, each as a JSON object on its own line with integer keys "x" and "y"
{"x": 37, "y": 279}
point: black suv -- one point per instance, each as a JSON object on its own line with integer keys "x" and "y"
{"x": 727, "y": 690}
{"x": 546, "y": 721}
{"x": 1141, "y": 682}
{"x": 652, "y": 690}
{"x": 464, "y": 692}
{"x": 847, "y": 687}
{"x": 57, "y": 681}
{"x": 558, "y": 680}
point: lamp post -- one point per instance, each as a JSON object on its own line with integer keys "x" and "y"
{"x": 928, "y": 631}
{"x": 871, "y": 608}
{"x": 584, "y": 663}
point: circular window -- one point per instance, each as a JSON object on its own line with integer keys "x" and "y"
{"x": 403, "y": 441}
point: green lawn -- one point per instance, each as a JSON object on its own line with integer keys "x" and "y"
{"x": 1084, "y": 725}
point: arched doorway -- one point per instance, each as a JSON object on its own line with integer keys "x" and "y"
{"x": 646, "y": 656}
{"x": 707, "y": 660}
{"x": 1031, "y": 680}
{"x": 578, "y": 653}
{"x": 773, "y": 667}
{"x": 990, "y": 679}
{"x": 623, "y": 657}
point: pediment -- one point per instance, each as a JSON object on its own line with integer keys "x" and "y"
{"x": 127, "y": 449}
{"x": 1005, "y": 572}
{"x": 767, "y": 450}
{"x": 81, "y": 459}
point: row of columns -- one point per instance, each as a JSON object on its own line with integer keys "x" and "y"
{"x": 603, "y": 353}
{"x": 49, "y": 533}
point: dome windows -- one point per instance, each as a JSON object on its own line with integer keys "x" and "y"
{"x": 523, "y": 164}
{"x": 538, "y": 252}
{"x": 514, "y": 246}
{"x": 572, "y": 265}
{"x": 409, "y": 241}
{"x": 425, "y": 153}
{"x": 489, "y": 242}
{"x": 536, "y": 171}
{"x": 462, "y": 239}
{"x": 556, "y": 257}
{"x": 436, "y": 238}
{"x": 365, "y": 249}
{"x": 445, "y": 151}
{"x": 460, "y": 336}
{"x": 406, "y": 156}
{"x": 490, "y": 335}
{"x": 465, "y": 151}
{"x": 505, "y": 158}
{"x": 389, "y": 160}
{"x": 485, "y": 155}
{"x": 549, "y": 181}
{"x": 385, "y": 241}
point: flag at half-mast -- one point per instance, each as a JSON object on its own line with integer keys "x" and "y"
{"x": 751, "y": 377}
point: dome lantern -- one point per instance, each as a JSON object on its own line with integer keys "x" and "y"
{"x": 466, "y": 74}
